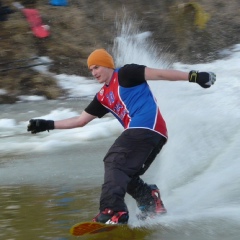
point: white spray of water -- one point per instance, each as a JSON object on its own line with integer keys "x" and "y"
{"x": 198, "y": 169}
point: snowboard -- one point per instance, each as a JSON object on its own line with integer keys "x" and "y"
{"x": 35, "y": 21}
{"x": 96, "y": 230}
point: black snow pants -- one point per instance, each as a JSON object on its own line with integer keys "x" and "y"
{"x": 129, "y": 157}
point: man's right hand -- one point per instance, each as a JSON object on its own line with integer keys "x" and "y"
{"x": 40, "y": 125}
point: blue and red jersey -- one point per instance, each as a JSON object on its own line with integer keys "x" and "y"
{"x": 130, "y": 100}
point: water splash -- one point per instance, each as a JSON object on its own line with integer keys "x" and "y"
{"x": 198, "y": 169}
{"x": 134, "y": 46}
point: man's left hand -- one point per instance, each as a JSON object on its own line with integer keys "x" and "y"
{"x": 204, "y": 79}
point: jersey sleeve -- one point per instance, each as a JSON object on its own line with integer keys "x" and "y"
{"x": 131, "y": 75}
{"x": 95, "y": 108}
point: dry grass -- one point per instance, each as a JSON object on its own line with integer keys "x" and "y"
{"x": 84, "y": 25}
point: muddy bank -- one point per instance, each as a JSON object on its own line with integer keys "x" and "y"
{"x": 189, "y": 31}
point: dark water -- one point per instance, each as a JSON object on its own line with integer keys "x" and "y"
{"x": 43, "y": 193}
{"x": 34, "y": 212}
{"x": 43, "y": 212}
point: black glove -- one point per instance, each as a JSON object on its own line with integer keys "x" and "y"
{"x": 204, "y": 79}
{"x": 40, "y": 125}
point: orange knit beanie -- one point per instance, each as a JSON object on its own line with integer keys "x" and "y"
{"x": 100, "y": 57}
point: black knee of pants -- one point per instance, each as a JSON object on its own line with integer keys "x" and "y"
{"x": 155, "y": 151}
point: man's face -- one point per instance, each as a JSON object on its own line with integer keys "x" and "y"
{"x": 102, "y": 74}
